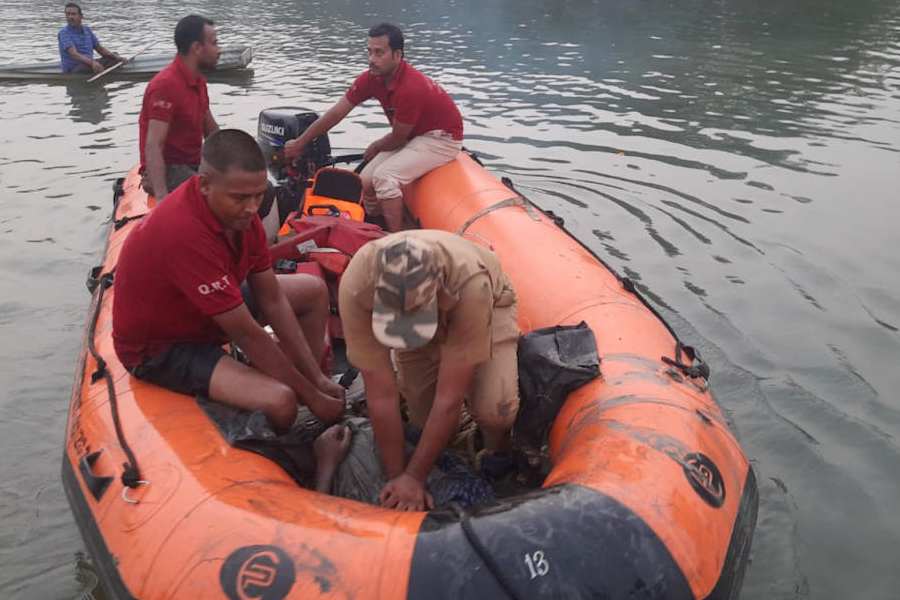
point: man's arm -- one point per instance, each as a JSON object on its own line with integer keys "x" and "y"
{"x": 323, "y": 124}
{"x": 209, "y": 124}
{"x": 277, "y": 310}
{"x": 153, "y": 154}
{"x": 443, "y": 420}
{"x": 406, "y": 491}
{"x": 383, "y": 401}
{"x": 266, "y": 356}
{"x": 88, "y": 61}
{"x": 397, "y": 138}
{"x": 108, "y": 54}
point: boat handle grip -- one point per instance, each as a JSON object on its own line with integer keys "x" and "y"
{"x": 125, "y": 492}
{"x": 97, "y": 484}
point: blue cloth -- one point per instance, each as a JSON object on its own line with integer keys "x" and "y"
{"x": 452, "y": 480}
{"x": 84, "y": 41}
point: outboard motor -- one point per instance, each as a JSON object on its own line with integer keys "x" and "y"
{"x": 276, "y": 127}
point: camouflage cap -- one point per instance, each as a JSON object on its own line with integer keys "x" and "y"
{"x": 407, "y": 277}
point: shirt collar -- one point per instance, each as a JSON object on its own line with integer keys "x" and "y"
{"x": 76, "y": 29}
{"x": 191, "y": 78}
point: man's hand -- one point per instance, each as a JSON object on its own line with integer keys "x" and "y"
{"x": 293, "y": 149}
{"x": 405, "y": 492}
{"x": 372, "y": 151}
{"x": 118, "y": 58}
{"x": 327, "y": 408}
{"x": 332, "y": 446}
{"x": 330, "y": 388}
{"x": 96, "y": 66}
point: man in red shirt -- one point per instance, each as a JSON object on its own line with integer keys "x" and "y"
{"x": 426, "y": 127}
{"x": 175, "y": 115}
{"x": 178, "y": 296}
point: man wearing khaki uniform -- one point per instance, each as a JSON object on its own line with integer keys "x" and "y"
{"x": 446, "y": 308}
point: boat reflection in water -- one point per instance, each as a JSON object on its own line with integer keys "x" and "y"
{"x": 88, "y": 103}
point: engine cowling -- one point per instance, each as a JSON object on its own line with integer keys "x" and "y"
{"x": 276, "y": 127}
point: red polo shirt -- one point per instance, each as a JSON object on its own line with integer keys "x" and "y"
{"x": 177, "y": 270}
{"x": 177, "y": 96}
{"x": 411, "y": 98}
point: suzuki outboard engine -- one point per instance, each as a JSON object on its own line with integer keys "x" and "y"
{"x": 276, "y": 127}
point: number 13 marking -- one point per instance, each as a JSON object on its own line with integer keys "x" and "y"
{"x": 537, "y": 563}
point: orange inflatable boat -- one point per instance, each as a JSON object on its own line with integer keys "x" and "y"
{"x": 650, "y": 494}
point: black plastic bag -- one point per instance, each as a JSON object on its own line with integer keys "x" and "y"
{"x": 359, "y": 476}
{"x": 293, "y": 451}
{"x": 552, "y": 362}
{"x": 251, "y": 431}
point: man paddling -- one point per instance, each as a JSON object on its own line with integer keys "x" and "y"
{"x": 175, "y": 116}
{"x": 447, "y": 310}
{"x": 77, "y": 44}
{"x": 426, "y": 126}
{"x": 178, "y": 296}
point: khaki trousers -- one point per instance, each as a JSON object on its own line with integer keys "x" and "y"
{"x": 385, "y": 174}
{"x": 492, "y": 399}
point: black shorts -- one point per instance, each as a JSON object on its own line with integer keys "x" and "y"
{"x": 184, "y": 368}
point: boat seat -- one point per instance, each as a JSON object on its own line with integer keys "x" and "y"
{"x": 335, "y": 192}
{"x": 337, "y": 183}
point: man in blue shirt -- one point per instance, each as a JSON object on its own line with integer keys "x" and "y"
{"x": 77, "y": 44}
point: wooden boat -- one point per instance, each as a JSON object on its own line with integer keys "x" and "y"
{"x": 143, "y": 66}
{"x": 650, "y": 495}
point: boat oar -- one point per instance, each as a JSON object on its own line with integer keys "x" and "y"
{"x": 121, "y": 62}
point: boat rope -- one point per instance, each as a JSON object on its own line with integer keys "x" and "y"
{"x": 482, "y": 552}
{"x": 516, "y": 200}
{"x": 697, "y": 368}
{"x": 131, "y": 474}
{"x": 473, "y": 155}
{"x": 120, "y": 223}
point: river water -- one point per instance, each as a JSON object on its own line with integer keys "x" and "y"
{"x": 739, "y": 159}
